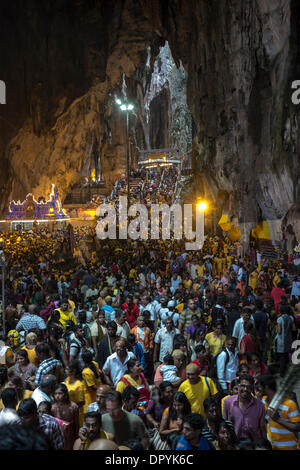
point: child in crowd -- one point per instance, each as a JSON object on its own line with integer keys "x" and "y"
{"x": 168, "y": 370}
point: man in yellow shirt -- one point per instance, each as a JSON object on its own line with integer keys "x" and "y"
{"x": 197, "y": 388}
{"x": 253, "y": 277}
{"x": 65, "y": 313}
{"x": 200, "y": 269}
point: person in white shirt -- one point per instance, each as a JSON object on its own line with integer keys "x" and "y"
{"x": 240, "y": 273}
{"x": 45, "y": 390}
{"x": 91, "y": 292}
{"x": 152, "y": 307}
{"x": 175, "y": 281}
{"x": 163, "y": 341}
{"x": 227, "y": 364}
{"x": 169, "y": 312}
{"x": 238, "y": 329}
{"x": 192, "y": 270}
{"x": 9, "y": 415}
{"x": 142, "y": 279}
{"x": 123, "y": 326}
{"x": 169, "y": 370}
{"x": 115, "y": 365}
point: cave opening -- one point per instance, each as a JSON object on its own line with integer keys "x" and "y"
{"x": 161, "y": 120}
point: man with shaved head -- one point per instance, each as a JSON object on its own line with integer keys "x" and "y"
{"x": 100, "y": 403}
{"x": 116, "y": 364}
{"x": 103, "y": 444}
{"x": 197, "y": 388}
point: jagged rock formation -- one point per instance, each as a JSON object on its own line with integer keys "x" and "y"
{"x": 62, "y": 59}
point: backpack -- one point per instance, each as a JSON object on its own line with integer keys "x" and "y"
{"x": 213, "y": 365}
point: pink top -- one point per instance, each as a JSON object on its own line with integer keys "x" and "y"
{"x": 247, "y": 423}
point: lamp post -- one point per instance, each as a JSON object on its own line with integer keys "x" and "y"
{"x": 126, "y": 107}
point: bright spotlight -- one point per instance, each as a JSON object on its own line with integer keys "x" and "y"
{"x": 130, "y": 107}
{"x": 123, "y": 107}
{"x": 202, "y": 206}
{"x": 118, "y": 101}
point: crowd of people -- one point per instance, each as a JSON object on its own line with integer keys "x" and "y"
{"x": 146, "y": 346}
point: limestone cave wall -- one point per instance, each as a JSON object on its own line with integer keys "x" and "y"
{"x": 62, "y": 61}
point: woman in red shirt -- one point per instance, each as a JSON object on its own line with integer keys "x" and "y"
{"x": 257, "y": 367}
{"x": 201, "y": 360}
{"x": 131, "y": 310}
{"x": 249, "y": 342}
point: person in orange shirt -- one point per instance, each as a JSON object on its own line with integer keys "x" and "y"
{"x": 143, "y": 336}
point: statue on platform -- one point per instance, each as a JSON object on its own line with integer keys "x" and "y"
{"x": 37, "y": 210}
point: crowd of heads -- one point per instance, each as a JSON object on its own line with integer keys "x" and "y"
{"x": 139, "y": 326}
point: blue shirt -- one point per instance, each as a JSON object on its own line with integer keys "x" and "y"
{"x": 139, "y": 353}
{"x": 110, "y": 313}
{"x": 183, "y": 444}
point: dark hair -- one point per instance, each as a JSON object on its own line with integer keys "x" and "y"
{"x": 23, "y": 353}
{"x": 199, "y": 348}
{"x": 9, "y": 398}
{"x": 172, "y": 440}
{"x": 131, "y": 339}
{"x": 284, "y": 309}
{"x": 75, "y": 366}
{"x": 250, "y": 328}
{"x": 119, "y": 312}
{"x": 224, "y": 424}
{"x": 134, "y": 444}
{"x": 78, "y": 326}
{"x": 233, "y": 383}
{"x": 61, "y": 386}
{"x": 240, "y": 367}
{"x": 87, "y": 358}
{"x": 162, "y": 387}
{"x": 43, "y": 349}
{"x": 245, "y": 444}
{"x": 130, "y": 364}
{"x": 47, "y": 404}
{"x": 3, "y": 375}
{"x": 178, "y": 341}
{"x": 113, "y": 395}
{"x": 209, "y": 402}
{"x": 262, "y": 442}
{"x": 27, "y": 407}
{"x": 47, "y": 381}
{"x": 247, "y": 377}
{"x": 168, "y": 359}
{"x": 251, "y": 354}
{"x": 181, "y": 398}
{"x": 23, "y": 438}
{"x": 130, "y": 391}
{"x": 259, "y": 304}
{"x": 95, "y": 415}
{"x": 218, "y": 323}
{"x": 194, "y": 420}
{"x": 195, "y": 317}
{"x": 112, "y": 324}
{"x": 82, "y": 316}
{"x": 269, "y": 380}
{"x": 197, "y": 332}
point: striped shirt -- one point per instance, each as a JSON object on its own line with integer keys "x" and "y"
{"x": 49, "y": 426}
{"x": 208, "y": 433}
{"x": 45, "y": 367}
{"x": 280, "y": 437}
{"x": 30, "y": 322}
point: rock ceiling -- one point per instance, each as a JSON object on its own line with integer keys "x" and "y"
{"x": 62, "y": 61}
